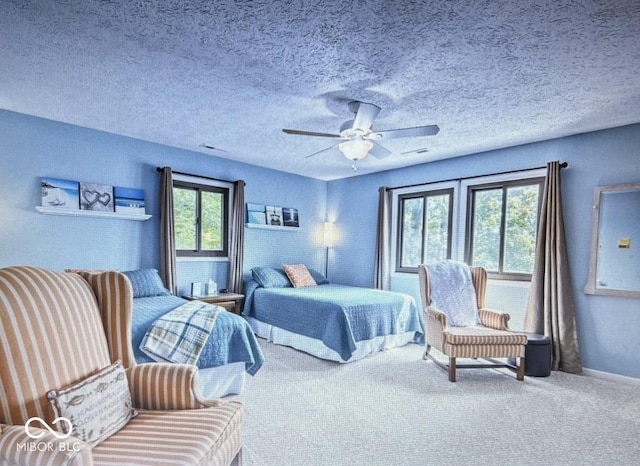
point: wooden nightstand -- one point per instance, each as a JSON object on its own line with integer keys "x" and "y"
{"x": 230, "y": 301}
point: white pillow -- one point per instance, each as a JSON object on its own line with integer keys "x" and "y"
{"x": 98, "y": 406}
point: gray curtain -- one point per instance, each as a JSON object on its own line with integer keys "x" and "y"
{"x": 236, "y": 248}
{"x": 383, "y": 238}
{"x": 167, "y": 232}
{"x": 550, "y": 310}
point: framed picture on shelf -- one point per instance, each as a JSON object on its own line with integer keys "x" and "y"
{"x": 61, "y": 194}
{"x": 96, "y": 197}
{"x": 256, "y": 214}
{"x": 274, "y": 215}
{"x": 129, "y": 200}
{"x": 290, "y": 217}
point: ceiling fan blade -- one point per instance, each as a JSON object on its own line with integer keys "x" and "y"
{"x": 310, "y": 133}
{"x": 378, "y": 151}
{"x": 365, "y": 115}
{"x": 405, "y": 132}
{"x": 321, "y": 151}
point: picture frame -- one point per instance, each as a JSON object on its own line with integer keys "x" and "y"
{"x": 256, "y": 214}
{"x": 274, "y": 215}
{"x": 96, "y": 197}
{"x": 129, "y": 200}
{"x": 60, "y": 194}
{"x": 290, "y": 217}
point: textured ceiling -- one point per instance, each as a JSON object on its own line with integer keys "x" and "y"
{"x": 232, "y": 74}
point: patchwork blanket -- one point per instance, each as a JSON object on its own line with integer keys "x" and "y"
{"x": 180, "y": 335}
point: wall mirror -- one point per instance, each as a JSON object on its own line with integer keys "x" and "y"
{"x": 615, "y": 241}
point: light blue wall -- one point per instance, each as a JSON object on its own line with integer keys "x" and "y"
{"x": 31, "y": 148}
{"x": 607, "y": 326}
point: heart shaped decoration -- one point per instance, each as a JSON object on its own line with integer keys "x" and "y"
{"x": 104, "y": 198}
{"x": 93, "y": 197}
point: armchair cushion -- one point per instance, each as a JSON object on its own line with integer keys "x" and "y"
{"x": 97, "y": 407}
{"x": 69, "y": 451}
{"x": 192, "y": 436}
{"x": 453, "y": 293}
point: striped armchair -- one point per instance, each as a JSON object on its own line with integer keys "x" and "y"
{"x": 492, "y": 339}
{"x": 57, "y": 329}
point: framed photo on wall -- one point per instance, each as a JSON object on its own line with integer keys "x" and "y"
{"x": 290, "y": 217}
{"x": 256, "y": 214}
{"x": 96, "y": 197}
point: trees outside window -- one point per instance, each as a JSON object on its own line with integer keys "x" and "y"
{"x": 425, "y": 229}
{"x": 503, "y": 221}
{"x": 201, "y": 219}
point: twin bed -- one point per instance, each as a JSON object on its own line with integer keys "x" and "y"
{"x": 229, "y": 354}
{"x": 329, "y": 321}
{"x": 335, "y": 322}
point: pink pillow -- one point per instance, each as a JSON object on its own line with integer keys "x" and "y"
{"x": 299, "y": 275}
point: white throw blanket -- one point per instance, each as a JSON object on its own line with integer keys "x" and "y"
{"x": 180, "y": 335}
{"x": 452, "y": 292}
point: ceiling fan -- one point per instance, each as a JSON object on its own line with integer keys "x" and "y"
{"x": 359, "y": 139}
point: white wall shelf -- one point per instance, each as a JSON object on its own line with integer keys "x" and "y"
{"x": 91, "y": 213}
{"x": 271, "y": 227}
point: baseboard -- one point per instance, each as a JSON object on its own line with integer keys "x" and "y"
{"x": 611, "y": 376}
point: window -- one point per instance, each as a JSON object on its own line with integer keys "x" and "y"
{"x": 502, "y": 226}
{"x": 425, "y": 225}
{"x": 201, "y": 219}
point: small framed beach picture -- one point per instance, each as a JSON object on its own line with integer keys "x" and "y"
{"x": 256, "y": 214}
{"x": 61, "y": 194}
{"x": 96, "y": 197}
{"x": 129, "y": 200}
{"x": 290, "y": 217}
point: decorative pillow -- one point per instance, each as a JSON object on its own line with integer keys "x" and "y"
{"x": 299, "y": 275}
{"x": 268, "y": 277}
{"x": 146, "y": 283}
{"x": 98, "y": 406}
{"x": 318, "y": 277}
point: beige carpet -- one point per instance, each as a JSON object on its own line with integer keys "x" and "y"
{"x": 396, "y": 409}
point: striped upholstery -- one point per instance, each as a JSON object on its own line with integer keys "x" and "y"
{"x": 115, "y": 297}
{"x": 51, "y": 336}
{"x": 189, "y": 436}
{"x": 482, "y": 336}
{"x": 58, "y": 328}
{"x": 492, "y": 339}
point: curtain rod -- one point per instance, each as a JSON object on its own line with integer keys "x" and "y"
{"x": 159, "y": 169}
{"x": 562, "y": 165}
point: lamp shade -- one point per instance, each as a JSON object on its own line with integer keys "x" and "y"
{"x": 328, "y": 234}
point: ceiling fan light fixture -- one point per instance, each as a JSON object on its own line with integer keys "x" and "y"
{"x": 355, "y": 150}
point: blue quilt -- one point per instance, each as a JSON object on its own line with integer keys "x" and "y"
{"x": 231, "y": 339}
{"x": 338, "y": 315}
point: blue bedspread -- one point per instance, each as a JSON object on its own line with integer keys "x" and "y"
{"x": 231, "y": 339}
{"x": 338, "y": 315}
